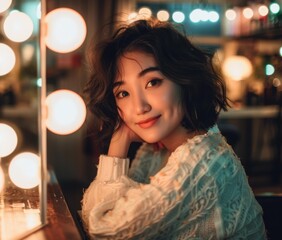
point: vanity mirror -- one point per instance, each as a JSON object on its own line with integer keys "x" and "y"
{"x": 22, "y": 167}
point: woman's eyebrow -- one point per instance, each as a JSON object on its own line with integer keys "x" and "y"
{"x": 118, "y": 84}
{"x": 149, "y": 69}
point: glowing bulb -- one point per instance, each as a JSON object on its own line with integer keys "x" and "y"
{"x": 213, "y": 16}
{"x": 163, "y": 15}
{"x": 24, "y": 170}
{"x": 195, "y": 15}
{"x": 4, "y": 5}
{"x": 204, "y": 15}
{"x": 66, "y": 30}
{"x": 178, "y": 17}
{"x": 269, "y": 69}
{"x": 280, "y": 52}
{"x": 248, "y": 13}
{"x": 66, "y": 112}
{"x": 18, "y": 26}
{"x": 2, "y": 178}
{"x": 276, "y": 82}
{"x": 230, "y": 14}
{"x": 237, "y": 67}
{"x": 263, "y": 10}
{"x": 132, "y": 17}
{"x": 274, "y": 8}
{"x": 8, "y": 140}
{"x": 39, "y": 82}
{"x": 145, "y": 12}
{"x": 7, "y": 59}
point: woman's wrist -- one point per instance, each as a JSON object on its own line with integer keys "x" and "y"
{"x": 119, "y": 146}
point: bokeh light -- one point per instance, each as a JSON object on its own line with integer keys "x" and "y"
{"x": 66, "y": 112}
{"x": 163, "y": 15}
{"x": 263, "y": 10}
{"x": 7, "y": 59}
{"x": 8, "y": 140}
{"x": 66, "y": 30}
{"x": 133, "y": 16}
{"x": 178, "y": 17}
{"x": 18, "y": 26}
{"x": 195, "y": 15}
{"x": 4, "y": 5}
{"x": 237, "y": 67}
{"x": 269, "y": 69}
{"x": 248, "y": 13}
{"x": 145, "y": 12}
{"x": 24, "y": 170}
{"x": 213, "y": 16}
{"x": 274, "y": 8}
{"x": 230, "y": 14}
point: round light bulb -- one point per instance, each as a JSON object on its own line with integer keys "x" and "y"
{"x": 8, "y": 140}
{"x": 195, "y": 15}
{"x": 163, "y": 15}
{"x": 66, "y": 112}
{"x": 24, "y": 170}
{"x": 7, "y": 59}
{"x": 178, "y": 17}
{"x": 248, "y": 13}
{"x": 18, "y": 26}
{"x": 4, "y": 5}
{"x": 145, "y": 12}
{"x": 213, "y": 16}
{"x": 66, "y": 30}
{"x": 263, "y": 10}
{"x": 230, "y": 14}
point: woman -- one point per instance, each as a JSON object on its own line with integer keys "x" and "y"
{"x": 150, "y": 84}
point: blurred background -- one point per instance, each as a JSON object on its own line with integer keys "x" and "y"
{"x": 244, "y": 35}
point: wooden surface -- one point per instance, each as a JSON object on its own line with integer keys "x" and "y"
{"x": 60, "y": 224}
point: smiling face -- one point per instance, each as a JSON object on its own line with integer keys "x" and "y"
{"x": 148, "y": 102}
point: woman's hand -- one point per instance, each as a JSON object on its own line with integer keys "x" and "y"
{"x": 121, "y": 140}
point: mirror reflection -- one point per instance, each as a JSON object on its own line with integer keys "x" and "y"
{"x": 19, "y": 134}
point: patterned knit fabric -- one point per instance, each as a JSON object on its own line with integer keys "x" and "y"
{"x": 200, "y": 191}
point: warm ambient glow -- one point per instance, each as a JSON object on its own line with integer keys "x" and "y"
{"x": 18, "y": 26}
{"x": 66, "y": 30}
{"x": 145, "y": 12}
{"x": 163, "y": 15}
{"x": 248, "y": 13}
{"x": 4, "y": 5}
{"x": 24, "y": 170}
{"x": 237, "y": 67}
{"x": 7, "y": 59}
{"x": 263, "y": 10}
{"x": 66, "y": 112}
{"x": 8, "y": 140}
{"x": 133, "y": 16}
{"x": 2, "y": 178}
{"x": 230, "y": 14}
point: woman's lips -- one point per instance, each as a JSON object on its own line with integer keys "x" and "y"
{"x": 148, "y": 122}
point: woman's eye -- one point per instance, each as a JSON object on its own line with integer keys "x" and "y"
{"x": 154, "y": 82}
{"x": 122, "y": 94}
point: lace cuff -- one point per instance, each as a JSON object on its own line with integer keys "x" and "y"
{"x": 112, "y": 168}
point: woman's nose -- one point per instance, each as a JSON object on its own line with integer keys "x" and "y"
{"x": 142, "y": 105}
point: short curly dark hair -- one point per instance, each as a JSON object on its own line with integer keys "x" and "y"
{"x": 203, "y": 90}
